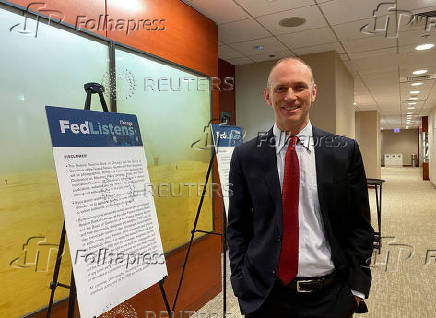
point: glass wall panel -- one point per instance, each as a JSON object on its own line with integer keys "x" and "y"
{"x": 173, "y": 108}
{"x": 47, "y": 68}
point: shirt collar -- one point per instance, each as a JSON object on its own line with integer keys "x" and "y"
{"x": 304, "y": 136}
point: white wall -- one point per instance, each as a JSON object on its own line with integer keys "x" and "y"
{"x": 332, "y": 111}
{"x": 369, "y": 142}
{"x": 345, "y": 118}
{"x": 252, "y": 112}
{"x": 404, "y": 142}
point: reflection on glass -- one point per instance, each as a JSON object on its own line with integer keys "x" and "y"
{"x": 425, "y": 154}
{"x": 173, "y": 109}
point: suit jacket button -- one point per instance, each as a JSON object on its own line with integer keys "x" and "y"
{"x": 274, "y": 272}
{"x": 278, "y": 239}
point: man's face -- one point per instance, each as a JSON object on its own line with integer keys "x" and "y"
{"x": 291, "y": 95}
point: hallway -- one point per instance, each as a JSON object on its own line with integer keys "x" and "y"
{"x": 403, "y": 284}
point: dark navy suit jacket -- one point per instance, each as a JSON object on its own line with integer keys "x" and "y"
{"x": 255, "y": 214}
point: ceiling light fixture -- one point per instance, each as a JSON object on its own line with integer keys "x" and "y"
{"x": 413, "y": 98}
{"x": 426, "y": 46}
{"x": 419, "y": 72}
{"x": 411, "y": 108}
{"x": 415, "y": 92}
{"x": 292, "y": 22}
{"x": 412, "y": 103}
{"x": 417, "y": 84}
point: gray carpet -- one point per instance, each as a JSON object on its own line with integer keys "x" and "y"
{"x": 404, "y": 286}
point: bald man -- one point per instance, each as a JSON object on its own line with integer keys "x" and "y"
{"x": 299, "y": 229}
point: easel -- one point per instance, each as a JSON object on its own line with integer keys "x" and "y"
{"x": 378, "y": 187}
{"x": 90, "y": 88}
{"x": 223, "y": 235}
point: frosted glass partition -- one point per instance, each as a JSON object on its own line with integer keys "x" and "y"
{"x": 173, "y": 108}
{"x": 49, "y": 69}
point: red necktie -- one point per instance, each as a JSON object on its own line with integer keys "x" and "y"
{"x": 288, "y": 263}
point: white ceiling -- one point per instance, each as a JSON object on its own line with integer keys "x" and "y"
{"x": 376, "y": 61}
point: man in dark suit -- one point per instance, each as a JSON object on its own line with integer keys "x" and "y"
{"x": 299, "y": 229}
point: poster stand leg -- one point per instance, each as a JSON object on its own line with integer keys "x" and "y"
{"x": 224, "y": 251}
{"x": 72, "y": 297}
{"x": 164, "y": 297}
{"x": 194, "y": 230}
{"x": 54, "y": 283}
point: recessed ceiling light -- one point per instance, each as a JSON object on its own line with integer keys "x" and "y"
{"x": 258, "y": 47}
{"x": 292, "y": 22}
{"x": 426, "y": 46}
{"x": 413, "y": 98}
{"x": 411, "y": 108}
{"x": 420, "y": 72}
{"x": 412, "y": 103}
{"x": 415, "y": 92}
{"x": 354, "y": 103}
{"x": 417, "y": 84}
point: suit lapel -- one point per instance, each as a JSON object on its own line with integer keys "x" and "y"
{"x": 269, "y": 158}
{"x": 321, "y": 168}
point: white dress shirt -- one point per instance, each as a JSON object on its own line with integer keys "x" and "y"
{"x": 314, "y": 256}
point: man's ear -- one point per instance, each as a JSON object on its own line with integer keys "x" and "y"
{"x": 314, "y": 90}
{"x": 266, "y": 95}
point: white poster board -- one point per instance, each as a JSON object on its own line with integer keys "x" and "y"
{"x": 225, "y": 138}
{"x": 110, "y": 216}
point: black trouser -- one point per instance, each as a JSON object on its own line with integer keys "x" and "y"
{"x": 332, "y": 301}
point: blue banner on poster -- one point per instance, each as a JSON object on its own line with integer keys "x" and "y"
{"x": 86, "y": 128}
{"x": 226, "y": 135}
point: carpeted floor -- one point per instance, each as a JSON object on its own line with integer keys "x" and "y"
{"x": 404, "y": 274}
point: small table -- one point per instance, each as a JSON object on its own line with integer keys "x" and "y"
{"x": 378, "y": 187}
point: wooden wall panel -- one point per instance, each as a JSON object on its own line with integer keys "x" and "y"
{"x": 83, "y": 11}
{"x": 188, "y": 39}
{"x": 202, "y": 282}
{"x": 227, "y": 97}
